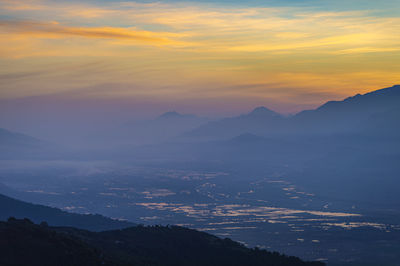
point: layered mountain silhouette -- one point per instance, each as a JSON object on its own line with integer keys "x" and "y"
{"x": 354, "y": 114}
{"x": 355, "y": 141}
{"x": 10, "y": 207}
{"x": 25, "y": 243}
{"x": 258, "y": 121}
{"x": 373, "y": 113}
{"x": 347, "y": 150}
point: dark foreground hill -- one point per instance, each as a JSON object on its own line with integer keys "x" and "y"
{"x": 10, "y": 207}
{"x": 25, "y": 243}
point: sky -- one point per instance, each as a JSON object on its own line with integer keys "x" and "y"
{"x": 204, "y": 57}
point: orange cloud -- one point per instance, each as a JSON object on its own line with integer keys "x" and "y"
{"x": 55, "y": 30}
{"x": 195, "y": 50}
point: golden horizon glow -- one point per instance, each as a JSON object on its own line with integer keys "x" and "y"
{"x": 193, "y": 51}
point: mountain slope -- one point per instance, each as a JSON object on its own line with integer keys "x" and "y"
{"x": 349, "y": 115}
{"x": 25, "y": 243}
{"x": 11, "y": 138}
{"x": 352, "y": 115}
{"x": 17, "y": 145}
{"x": 15, "y": 208}
{"x": 260, "y": 120}
{"x": 164, "y": 127}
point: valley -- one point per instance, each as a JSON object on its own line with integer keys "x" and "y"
{"x": 268, "y": 210}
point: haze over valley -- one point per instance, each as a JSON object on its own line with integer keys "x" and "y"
{"x": 200, "y": 133}
{"x": 303, "y": 184}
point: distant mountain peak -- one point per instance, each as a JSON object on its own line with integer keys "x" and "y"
{"x": 170, "y": 114}
{"x": 262, "y": 111}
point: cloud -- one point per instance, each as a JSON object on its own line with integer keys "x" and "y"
{"x": 208, "y": 28}
{"x": 55, "y": 30}
{"x": 191, "y": 50}
{"x": 363, "y": 50}
{"x": 7, "y": 77}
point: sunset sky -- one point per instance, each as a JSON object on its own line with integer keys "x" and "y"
{"x": 198, "y": 56}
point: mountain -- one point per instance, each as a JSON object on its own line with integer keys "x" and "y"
{"x": 13, "y": 142}
{"x": 345, "y": 150}
{"x": 10, "y": 207}
{"x": 162, "y": 128}
{"x": 25, "y": 243}
{"x": 349, "y": 115}
{"x": 366, "y": 104}
{"x": 14, "y": 145}
{"x": 13, "y": 138}
{"x": 375, "y": 111}
{"x": 258, "y": 121}
{"x": 384, "y": 124}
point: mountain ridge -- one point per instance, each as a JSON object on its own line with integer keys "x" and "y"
{"x": 332, "y": 117}
{"x": 10, "y": 207}
{"x": 9, "y": 137}
{"x": 26, "y": 243}
{"x": 251, "y": 122}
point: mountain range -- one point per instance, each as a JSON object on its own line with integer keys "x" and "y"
{"x": 346, "y": 150}
{"x": 23, "y": 242}
{"x": 352, "y": 115}
{"x": 349, "y": 141}
{"x": 373, "y": 113}
{"x": 258, "y": 121}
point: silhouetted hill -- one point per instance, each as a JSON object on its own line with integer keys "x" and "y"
{"x": 13, "y": 144}
{"x": 384, "y": 124}
{"x": 375, "y": 101}
{"x": 24, "y": 243}
{"x": 10, "y": 207}
{"x": 352, "y": 115}
{"x": 262, "y": 112}
{"x": 258, "y": 121}
{"x": 13, "y": 138}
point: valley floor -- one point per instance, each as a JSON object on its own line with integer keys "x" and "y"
{"x": 268, "y": 210}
